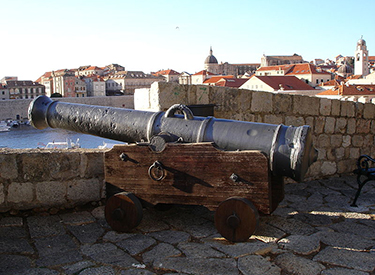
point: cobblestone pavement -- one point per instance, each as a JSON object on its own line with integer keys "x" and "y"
{"x": 313, "y": 231}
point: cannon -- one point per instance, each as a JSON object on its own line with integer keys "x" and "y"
{"x": 233, "y": 167}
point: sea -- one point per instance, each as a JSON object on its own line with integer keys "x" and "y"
{"x": 26, "y": 136}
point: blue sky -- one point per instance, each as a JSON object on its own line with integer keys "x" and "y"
{"x": 45, "y": 35}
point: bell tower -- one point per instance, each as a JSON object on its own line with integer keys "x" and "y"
{"x": 361, "y": 59}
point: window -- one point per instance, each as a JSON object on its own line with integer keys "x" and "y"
{"x": 317, "y": 81}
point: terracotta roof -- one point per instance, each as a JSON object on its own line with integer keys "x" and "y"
{"x": 231, "y": 82}
{"x": 166, "y": 72}
{"x": 351, "y": 90}
{"x": 293, "y": 69}
{"x": 284, "y": 82}
{"x": 93, "y": 68}
{"x": 334, "y": 82}
{"x": 334, "y": 91}
{"x": 204, "y": 72}
{"x": 215, "y": 79}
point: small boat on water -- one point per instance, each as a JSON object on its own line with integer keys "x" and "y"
{"x": 4, "y": 126}
{"x": 107, "y": 145}
{"x": 68, "y": 144}
{"x": 13, "y": 123}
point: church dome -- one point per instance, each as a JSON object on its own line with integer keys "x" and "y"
{"x": 345, "y": 69}
{"x": 361, "y": 42}
{"x": 210, "y": 59}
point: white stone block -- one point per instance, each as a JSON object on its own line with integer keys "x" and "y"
{"x": 142, "y": 99}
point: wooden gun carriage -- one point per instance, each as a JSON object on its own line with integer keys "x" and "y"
{"x": 234, "y": 168}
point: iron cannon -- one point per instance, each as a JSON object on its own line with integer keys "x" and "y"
{"x": 289, "y": 149}
{"x": 234, "y": 168}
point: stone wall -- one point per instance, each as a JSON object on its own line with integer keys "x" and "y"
{"x": 18, "y": 107}
{"x": 35, "y": 178}
{"x": 342, "y": 130}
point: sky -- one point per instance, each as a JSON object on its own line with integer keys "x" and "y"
{"x": 39, "y": 36}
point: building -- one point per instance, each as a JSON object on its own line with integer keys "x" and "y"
{"x": 269, "y": 83}
{"x": 95, "y": 85}
{"x": 125, "y": 82}
{"x": 169, "y": 75}
{"x": 307, "y": 72}
{"x": 80, "y": 87}
{"x": 361, "y": 59}
{"x": 4, "y": 92}
{"x": 184, "y": 78}
{"x": 91, "y": 70}
{"x": 200, "y": 77}
{"x": 211, "y": 65}
{"x": 64, "y": 82}
{"x": 112, "y": 69}
{"x": 273, "y": 60}
{"x": 47, "y": 80}
{"x": 24, "y": 89}
{"x": 6, "y": 78}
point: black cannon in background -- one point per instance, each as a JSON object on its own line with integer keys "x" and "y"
{"x": 232, "y": 167}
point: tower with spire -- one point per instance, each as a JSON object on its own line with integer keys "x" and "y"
{"x": 361, "y": 60}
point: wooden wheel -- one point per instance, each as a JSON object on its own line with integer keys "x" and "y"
{"x": 123, "y": 212}
{"x": 236, "y": 219}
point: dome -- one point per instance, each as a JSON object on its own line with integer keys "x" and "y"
{"x": 345, "y": 69}
{"x": 210, "y": 59}
{"x": 361, "y": 42}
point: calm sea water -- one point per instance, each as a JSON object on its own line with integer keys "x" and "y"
{"x": 28, "y": 137}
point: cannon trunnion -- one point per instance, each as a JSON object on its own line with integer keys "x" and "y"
{"x": 235, "y": 168}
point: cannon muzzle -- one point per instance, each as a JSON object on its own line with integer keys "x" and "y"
{"x": 289, "y": 149}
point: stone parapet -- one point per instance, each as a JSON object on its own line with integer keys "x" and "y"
{"x": 33, "y": 178}
{"x": 342, "y": 130}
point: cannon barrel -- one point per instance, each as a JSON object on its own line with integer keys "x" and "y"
{"x": 289, "y": 149}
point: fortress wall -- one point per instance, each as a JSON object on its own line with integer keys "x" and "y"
{"x": 342, "y": 130}
{"x": 10, "y": 109}
{"x": 34, "y": 178}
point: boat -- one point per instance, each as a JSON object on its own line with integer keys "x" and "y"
{"x": 13, "y": 123}
{"x": 4, "y": 127}
{"x": 68, "y": 144}
{"x": 107, "y": 145}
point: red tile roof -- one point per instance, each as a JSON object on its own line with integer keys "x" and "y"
{"x": 284, "y": 82}
{"x": 204, "y": 72}
{"x": 215, "y": 79}
{"x": 93, "y": 68}
{"x": 350, "y": 90}
{"x": 166, "y": 72}
{"x": 294, "y": 69}
{"x": 231, "y": 82}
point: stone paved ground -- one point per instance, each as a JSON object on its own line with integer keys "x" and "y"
{"x": 313, "y": 231}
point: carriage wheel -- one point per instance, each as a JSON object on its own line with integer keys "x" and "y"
{"x": 236, "y": 219}
{"x": 123, "y": 212}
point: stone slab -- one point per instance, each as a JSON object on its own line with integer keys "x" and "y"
{"x": 136, "y": 244}
{"x": 257, "y": 265}
{"x": 346, "y": 258}
{"x": 212, "y": 266}
{"x": 297, "y": 265}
